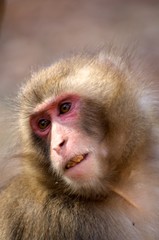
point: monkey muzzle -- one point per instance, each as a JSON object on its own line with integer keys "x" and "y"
{"x": 75, "y": 160}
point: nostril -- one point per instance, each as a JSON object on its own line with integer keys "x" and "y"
{"x": 59, "y": 147}
{"x": 62, "y": 143}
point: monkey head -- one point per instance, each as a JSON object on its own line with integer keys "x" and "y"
{"x": 82, "y": 120}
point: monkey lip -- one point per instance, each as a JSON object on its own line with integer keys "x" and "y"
{"x": 76, "y": 160}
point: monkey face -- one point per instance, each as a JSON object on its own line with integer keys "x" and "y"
{"x": 76, "y": 149}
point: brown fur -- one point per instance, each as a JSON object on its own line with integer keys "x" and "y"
{"x": 119, "y": 107}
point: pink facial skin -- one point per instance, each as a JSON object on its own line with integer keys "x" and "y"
{"x": 51, "y": 113}
{"x": 57, "y": 122}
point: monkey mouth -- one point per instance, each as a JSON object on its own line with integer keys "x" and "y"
{"x": 76, "y": 160}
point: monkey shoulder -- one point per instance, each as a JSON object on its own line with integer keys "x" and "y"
{"x": 34, "y": 212}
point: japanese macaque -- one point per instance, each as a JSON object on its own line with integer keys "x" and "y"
{"x": 88, "y": 128}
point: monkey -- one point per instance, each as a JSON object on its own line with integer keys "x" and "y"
{"x": 89, "y": 138}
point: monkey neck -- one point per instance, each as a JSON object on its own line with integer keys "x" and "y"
{"x": 131, "y": 184}
{"x": 127, "y": 179}
{"x": 125, "y": 197}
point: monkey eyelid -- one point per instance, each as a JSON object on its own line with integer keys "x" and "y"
{"x": 68, "y": 104}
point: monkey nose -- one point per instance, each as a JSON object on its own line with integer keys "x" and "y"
{"x": 59, "y": 146}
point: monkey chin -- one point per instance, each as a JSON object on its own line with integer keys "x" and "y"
{"x": 92, "y": 189}
{"x": 85, "y": 178}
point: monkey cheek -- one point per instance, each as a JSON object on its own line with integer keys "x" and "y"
{"x": 57, "y": 164}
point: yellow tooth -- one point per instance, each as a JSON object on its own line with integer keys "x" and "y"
{"x": 71, "y": 164}
{"x": 74, "y": 161}
{"x": 78, "y": 158}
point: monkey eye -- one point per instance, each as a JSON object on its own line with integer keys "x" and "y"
{"x": 64, "y": 107}
{"x": 43, "y": 124}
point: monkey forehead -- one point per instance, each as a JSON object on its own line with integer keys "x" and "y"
{"x": 85, "y": 77}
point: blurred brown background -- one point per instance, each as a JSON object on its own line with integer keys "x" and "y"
{"x": 36, "y": 32}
